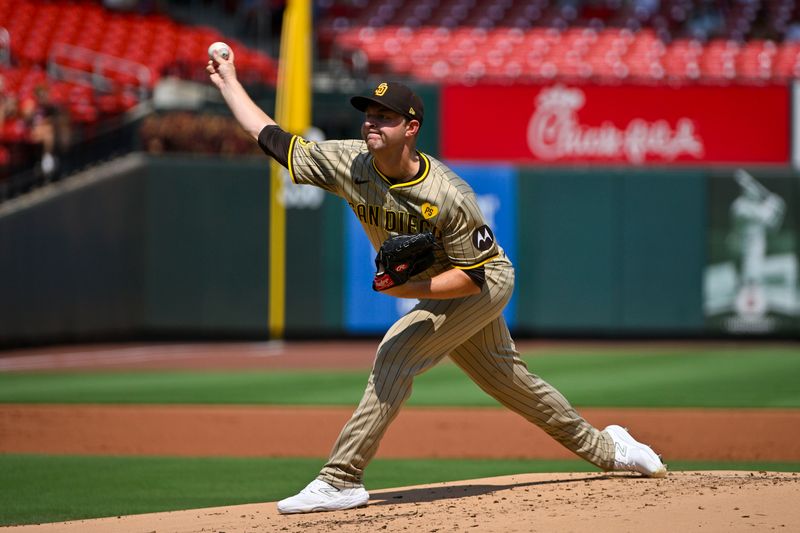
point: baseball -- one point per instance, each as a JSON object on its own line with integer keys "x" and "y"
{"x": 223, "y": 49}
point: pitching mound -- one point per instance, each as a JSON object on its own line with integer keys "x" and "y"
{"x": 683, "y": 501}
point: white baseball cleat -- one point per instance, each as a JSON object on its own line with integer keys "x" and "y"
{"x": 321, "y": 496}
{"x": 633, "y": 456}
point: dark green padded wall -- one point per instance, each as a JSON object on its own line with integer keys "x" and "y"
{"x": 71, "y": 264}
{"x": 606, "y": 251}
{"x": 205, "y": 257}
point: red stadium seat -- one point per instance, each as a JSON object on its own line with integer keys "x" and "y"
{"x": 786, "y": 63}
{"x": 680, "y": 59}
{"x": 610, "y": 40}
{"x": 718, "y": 60}
{"x": 755, "y": 60}
{"x": 36, "y": 26}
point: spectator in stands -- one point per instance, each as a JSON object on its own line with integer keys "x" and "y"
{"x": 2, "y": 95}
{"x": 13, "y": 126}
{"x": 140, "y": 6}
{"x": 5, "y": 153}
{"x": 706, "y": 22}
{"x": 58, "y": 116}
{"x": 792, "y": 32}
{"x": 21, "y": 153}
{"x": 120, "y": 5}
{"x": 7, "y": 105}
{"x": 39, "y": 121}
{"x": 645, "y": 10}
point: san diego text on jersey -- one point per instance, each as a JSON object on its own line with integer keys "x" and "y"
{"x": 389, "y": 220}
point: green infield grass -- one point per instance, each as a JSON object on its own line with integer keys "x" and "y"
{"x": 692, "y": 377}
{"x": 45, "y": 488}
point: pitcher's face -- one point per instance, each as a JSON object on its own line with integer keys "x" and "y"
{"x": 383, "y": 128}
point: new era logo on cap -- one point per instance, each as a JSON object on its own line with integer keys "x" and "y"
{"x": 395, "y": 96}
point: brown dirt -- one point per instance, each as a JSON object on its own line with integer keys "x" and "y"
{"x": 713, "y": 501}
{"x": 686, "y": 434}
{"x": 683, "y": 501}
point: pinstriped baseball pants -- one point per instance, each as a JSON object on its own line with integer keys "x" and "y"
{"x": 474, "y": 334}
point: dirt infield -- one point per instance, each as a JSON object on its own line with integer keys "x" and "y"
{"x": 251, "y": 431}
{"x": 699, "y": 501}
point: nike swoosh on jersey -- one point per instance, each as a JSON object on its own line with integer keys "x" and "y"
{"x": 361, "y": 181}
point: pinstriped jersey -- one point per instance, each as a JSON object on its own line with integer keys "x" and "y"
{"x": 436, "y": 200}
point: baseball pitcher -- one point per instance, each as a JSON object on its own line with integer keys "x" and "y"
{"x": 432, "y": 244}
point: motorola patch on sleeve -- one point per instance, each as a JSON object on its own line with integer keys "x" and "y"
{"x": 482, "y": 238}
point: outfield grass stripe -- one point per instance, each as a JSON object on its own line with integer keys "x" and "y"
{"x": 41, "y": 488}
{"x": 681, "y": 378}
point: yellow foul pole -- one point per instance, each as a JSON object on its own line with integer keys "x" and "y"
{"x": 293, "y": 114}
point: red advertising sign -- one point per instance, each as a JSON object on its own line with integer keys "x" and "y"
{"x": 626, "y": 124}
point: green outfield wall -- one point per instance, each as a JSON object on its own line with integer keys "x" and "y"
{"x": 163, "y": 247}
{"x": 611, "y": 251}
{"x": 177, "y": 247}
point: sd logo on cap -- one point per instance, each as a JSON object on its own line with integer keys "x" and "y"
{"x": 395, "y": 96}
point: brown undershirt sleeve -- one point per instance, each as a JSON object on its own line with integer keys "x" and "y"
{"x": 275, "y": 143}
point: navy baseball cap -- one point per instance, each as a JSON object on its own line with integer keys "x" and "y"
{"x": 395, "y": 96}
